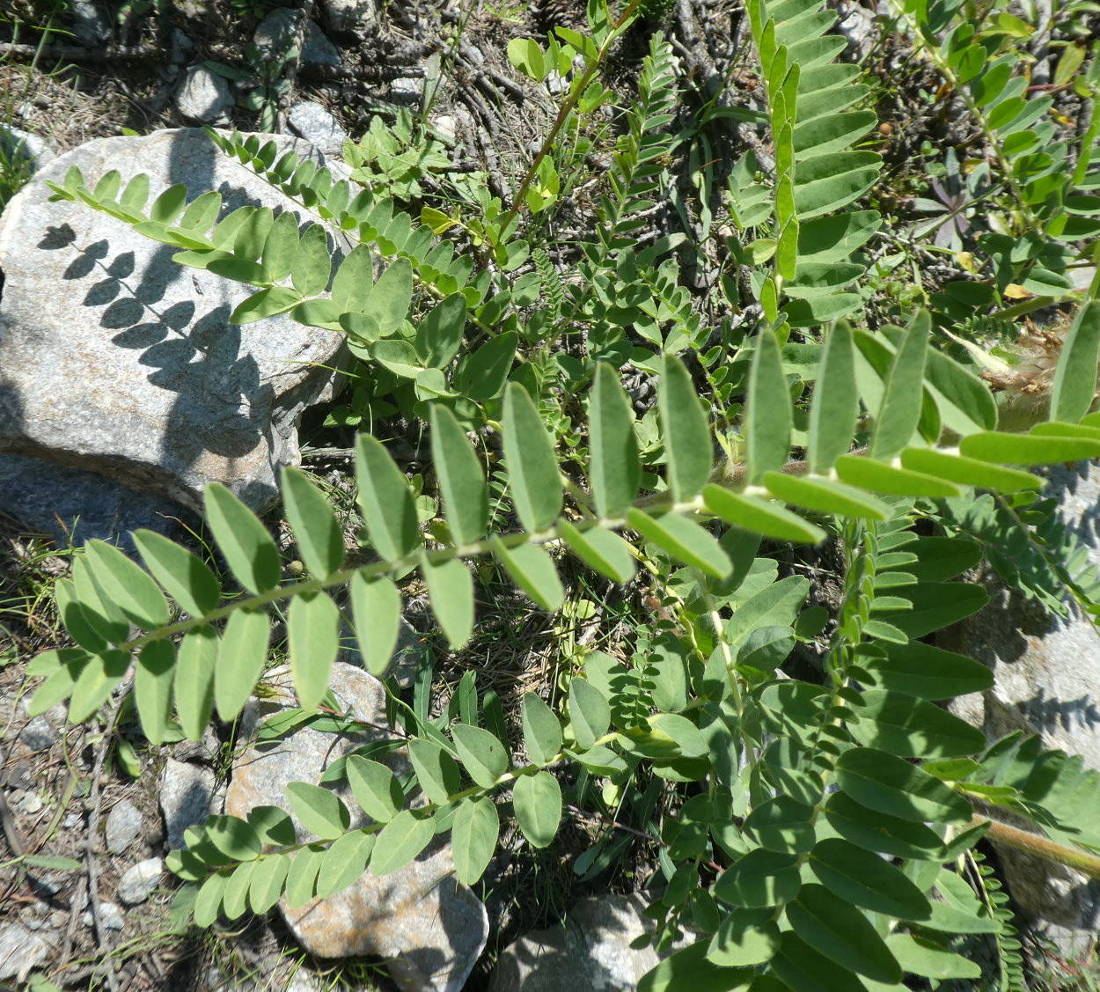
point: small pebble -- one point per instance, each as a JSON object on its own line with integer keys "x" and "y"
{"x": 123, "y": 826}
{"x": 38, "y": 735}
{"x": 138, "y": 883}
{"x": 110, "y": 915}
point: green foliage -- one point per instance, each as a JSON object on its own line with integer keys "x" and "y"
{"x": 822, "y": 815}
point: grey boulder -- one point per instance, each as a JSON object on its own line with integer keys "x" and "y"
{"x": 590, "y": 950}
{"x": 116, "y": 360}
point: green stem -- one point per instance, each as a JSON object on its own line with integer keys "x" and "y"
{"x": 1043, "y": 847}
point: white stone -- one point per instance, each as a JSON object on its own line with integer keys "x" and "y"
{"x": 349, "y": 16}
{"x": 110, "y": 916}
{"x": 116, "y": 360}
{"x": 123, "y": 826}
{"x": 139, "y": 881}
{"x": 204, "y": 97}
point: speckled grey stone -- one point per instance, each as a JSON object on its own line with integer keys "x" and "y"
{"x": 349, "y": 16}
{"x": 186, "y": 798}
{"x": 313, "y": 123}
{"x": 110, "y": 915}
{"x": 21, "y": 949}
{"x": 116, "y": 360}
{"x": 139, "y": 881}
{"x": 590, "y": 951}
{"x": 123, "y": 826}
{"x": 203, "y": 96}
{"x": 38, "y": 734}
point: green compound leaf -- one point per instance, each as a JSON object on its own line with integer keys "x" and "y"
{"x": 825, "y": 496}
{"x": 127, "y": 585}
{"x": 318, "y": 810}
{"x": 386, "y": 501}
{"x": 313, "y": 630}
{"x": 893, "y": 786}
{"x": 266, "y": 885}
{"x": 235, "y": 896}
{"x": 968, "y": 471}
{"x": 866, "y": 473}
{"x": 1028, "y": 449}
{"x": 474, "y": 833}
{"x": 615, "y": 469}
{"x": 760, "y": 516}
{"x": 241, "y": 657}
{"x": 903, "y": 393}
{"x": 375, "y": 788}
{"x": 451, "y": 592}
{"x": 153, "y": 688}
{"x": 376, "y": 614}
{"x": 95, "y": 683}
{"x": 536, "y": 800}
{"x": 589, "y": 713}
{"x": 461, "y": 481}
{"x": 400, "y": 841}
{"x": 912, "y": 728}
{"x": 193, "y": 688}
{"x": 835, "y": 406}
{"x": 248, "y": 548}
{"x": 320, "y": 540}
{"x": 1074, "y": 386}
{"x": 600, "y": 549}
{"x": 802, "y": 969}
{"x": 744, "y": 937}
{"x": 865, "y": 879}
{"x": 530, "y": 460}
{"x": 73, "y": 617}
{"x": 685, "y": 431}
{"x": 532, "y": 569}
{"x": 352, "y": 284}
{"x": 484, "y": 757}
{"x": 759, "y": 879}
{"x": 541, "y": 730}
{"x": 101, "y": 613}
{"x": 344, "y": 862}
{"x": 689, "y": 968}
{"x": 767, "y": 426}
{"x": 437, "y": 772}
{"x": 185, "y": 578}
{"x": 835, "y": 928}
{"x": 924, "y": 957}
{"x": 684, "y": 539}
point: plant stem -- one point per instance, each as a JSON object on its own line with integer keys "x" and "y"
{"x": 1043, "y": 847}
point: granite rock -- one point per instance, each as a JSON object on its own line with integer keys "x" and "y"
{"x": 428, "y": 927}
{"x": 123, "y": 826}
{"x": 203, "y": 96}
{"x": 1046, "y": 681}
{"x": 21, "y": 950}
{"x": 313, "y": 123}
{"x": 187, "y": 797}
{"x": 114, "y": 359}
{"x": 349, "y": 16}
{"x": 590, "y": 950}
{"x": 275, "y": 34}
